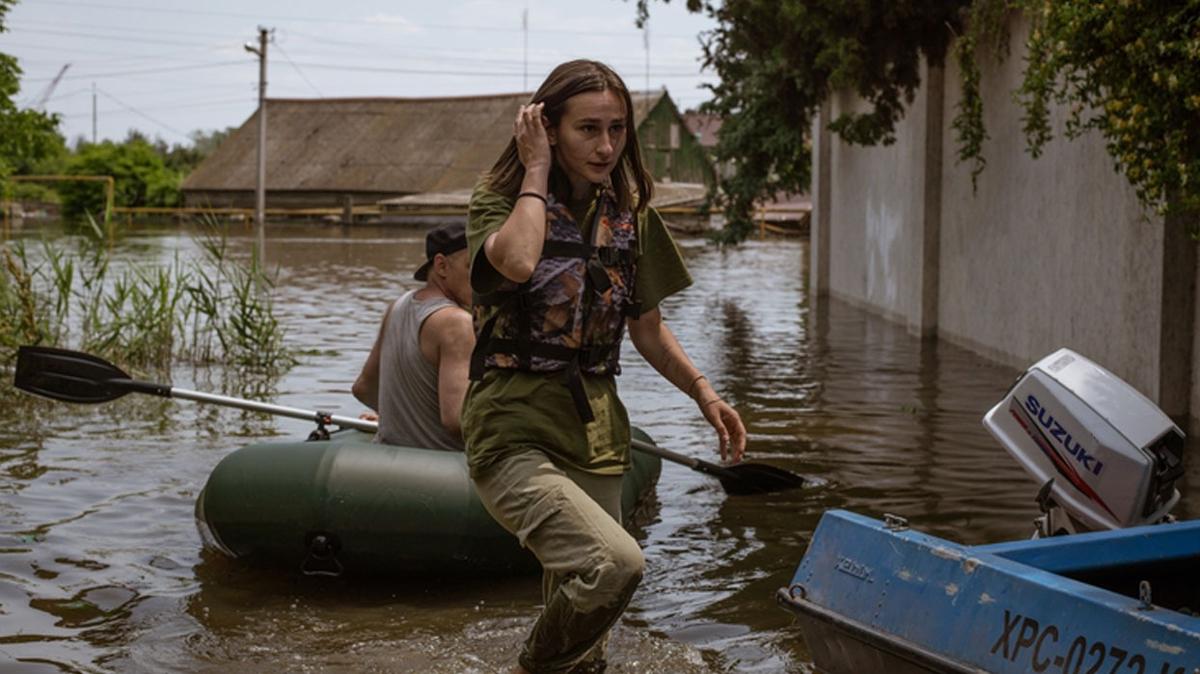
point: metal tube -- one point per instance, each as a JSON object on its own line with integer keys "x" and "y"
{"x": 268, "y": 408}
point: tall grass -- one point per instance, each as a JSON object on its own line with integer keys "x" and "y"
{"x": 216, "y": 309}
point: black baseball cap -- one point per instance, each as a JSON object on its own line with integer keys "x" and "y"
{"x": 447, "y": 239}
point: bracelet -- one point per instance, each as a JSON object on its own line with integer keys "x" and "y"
{"x": 691, "y": 385}
{"x": 535, "y": 195}
{"x": 714, "y": 400}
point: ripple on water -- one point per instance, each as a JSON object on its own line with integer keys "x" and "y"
{"x": 101, "y": 567}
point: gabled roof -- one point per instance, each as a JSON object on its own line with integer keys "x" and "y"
{"x": 704, "y": 126}
{"x": 385, "y": 145}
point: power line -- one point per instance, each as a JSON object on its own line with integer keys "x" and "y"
{"x": 158, "y": 90}
{"x": 436, "y": 54}
{"x": 120, "y": 56}
{"x": 215, "y": 64}
{"x": 469, "y": 73}
{"x": 299, "y": 72}
{"x": 18, "y": 26}
{"x": 93, "y": 36}
{"x": 328, "y": 20}
{"x": 181, "y": 106}
{"x": 143, "y": 115}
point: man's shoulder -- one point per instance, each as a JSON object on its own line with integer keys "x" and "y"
{"x": 449, "y": 324}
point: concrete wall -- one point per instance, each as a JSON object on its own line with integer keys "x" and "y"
{"x": 1046, "y": 252}
{"x": 884, "y": 208}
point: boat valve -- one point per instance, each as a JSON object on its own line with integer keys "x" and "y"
{"x": 322, "y": 555}
{"x": 894, "y": 522}
{"x": 1144, "y": 596}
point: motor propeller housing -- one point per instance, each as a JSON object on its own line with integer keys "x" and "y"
{"x": 1113, "y": 455}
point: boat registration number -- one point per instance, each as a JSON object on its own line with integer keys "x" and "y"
{"x": 1049, "y": 648}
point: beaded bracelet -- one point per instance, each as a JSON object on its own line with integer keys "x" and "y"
{"x": 535, "y": 195}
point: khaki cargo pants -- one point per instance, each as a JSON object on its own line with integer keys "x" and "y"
{"x": 571, "y": 521}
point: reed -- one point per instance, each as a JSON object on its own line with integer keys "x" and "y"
{"x": 214, "y": 310}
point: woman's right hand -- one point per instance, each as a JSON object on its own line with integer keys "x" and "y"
{"x": 533, "y": 144}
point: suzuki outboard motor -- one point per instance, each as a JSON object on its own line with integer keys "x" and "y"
{"x": 1105, "y": 455}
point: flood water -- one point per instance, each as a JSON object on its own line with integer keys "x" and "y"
{"x": 102, "y": 569}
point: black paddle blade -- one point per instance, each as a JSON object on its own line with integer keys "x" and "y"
{"x": 758, "y": 478}
{"x": 69, "y": 376}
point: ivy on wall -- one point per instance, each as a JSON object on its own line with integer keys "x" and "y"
{"x": 1128, "y": 69}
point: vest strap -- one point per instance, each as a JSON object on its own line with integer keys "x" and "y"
{"x": 598, "y": 275}
{"x": 578, "y": 394}
{"x": 573, "y": 249}
{"x": 610, "y": 255}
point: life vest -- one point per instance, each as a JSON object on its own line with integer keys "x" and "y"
{"x": 570, "y": 315}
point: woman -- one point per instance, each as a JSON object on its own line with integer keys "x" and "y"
{"x": 566, "y": 254}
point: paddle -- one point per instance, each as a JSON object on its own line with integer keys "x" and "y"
{"x": 76, "y": 377}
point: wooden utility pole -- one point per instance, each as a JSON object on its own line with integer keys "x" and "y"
{"x": 525, "y": 29}
{"x": 260, "y": 188}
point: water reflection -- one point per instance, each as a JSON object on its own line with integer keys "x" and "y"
{"x": 101, "y": 567}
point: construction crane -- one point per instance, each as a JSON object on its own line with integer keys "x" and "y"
{"x": 40, "y": 104}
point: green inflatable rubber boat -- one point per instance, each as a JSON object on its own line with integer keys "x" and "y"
{"x": 349, "y": 506}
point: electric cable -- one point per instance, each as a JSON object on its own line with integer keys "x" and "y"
{"x": 283, "y": 52}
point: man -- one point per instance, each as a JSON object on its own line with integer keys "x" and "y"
{"x": 416, "y": 375}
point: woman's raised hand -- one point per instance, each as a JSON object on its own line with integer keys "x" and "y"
{"x": 533, "y": 144}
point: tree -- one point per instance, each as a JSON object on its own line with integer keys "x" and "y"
{"x": 26, "y": 136}
{"x": 141, "y": 177}
{"x": 778, "y": 61}
{"x": 1129, "y": 70}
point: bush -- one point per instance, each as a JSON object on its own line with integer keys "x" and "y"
{"x": 142, "y": 179}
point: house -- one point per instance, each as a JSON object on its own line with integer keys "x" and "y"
{"x": 333, "y": 152}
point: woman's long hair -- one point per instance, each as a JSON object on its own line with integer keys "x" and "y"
{"x": 629, "y": 177}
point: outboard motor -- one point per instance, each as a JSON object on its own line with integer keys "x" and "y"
{"x": 1105, "y": 455}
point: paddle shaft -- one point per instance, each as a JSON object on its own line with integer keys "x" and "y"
{"x": 371, "y": 426}
{"x": 72, "y": 376}
{"x": 694, "y": 464}
{"x": 278, "y": 410}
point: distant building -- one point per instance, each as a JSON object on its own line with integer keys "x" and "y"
{"x": 703, "y": 126}
{"x": 331, "y": 152}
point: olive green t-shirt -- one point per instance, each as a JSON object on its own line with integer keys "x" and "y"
{"x": 511, "y": 410}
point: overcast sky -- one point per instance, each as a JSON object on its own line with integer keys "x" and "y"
{"x": 168, "y": 67}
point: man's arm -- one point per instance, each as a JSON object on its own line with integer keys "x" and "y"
{"x": 453, "y": 338}
{"x": 366, "y": 387}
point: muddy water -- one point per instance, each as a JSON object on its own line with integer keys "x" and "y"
{"x": 101, "y": 568}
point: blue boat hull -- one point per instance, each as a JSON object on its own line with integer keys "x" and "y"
{"x": 870, "y": 598}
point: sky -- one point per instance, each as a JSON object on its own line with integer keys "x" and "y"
{"x": 169, "y": 67}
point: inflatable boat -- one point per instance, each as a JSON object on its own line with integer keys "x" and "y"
{"x": 349, "y": 506}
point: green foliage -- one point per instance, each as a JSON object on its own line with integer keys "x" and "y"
{"x": 26, "y": 313}
{"x": 1130, "y": 70}
{"x": 26, "y": 136}
{"x": 217, "y": 309}
{"x": 985, "y": 34}
{"x": 779, "y": 60}
{"x": 142, "y": 179}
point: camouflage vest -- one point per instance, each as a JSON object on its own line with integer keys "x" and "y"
{"x": 570, "y": 315}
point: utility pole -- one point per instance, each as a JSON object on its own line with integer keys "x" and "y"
{"x": 646, "y": 44}
{"x": 260, "y": 188}
{"x": 525, "y": 28}
{"x": 93, "y": 113}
